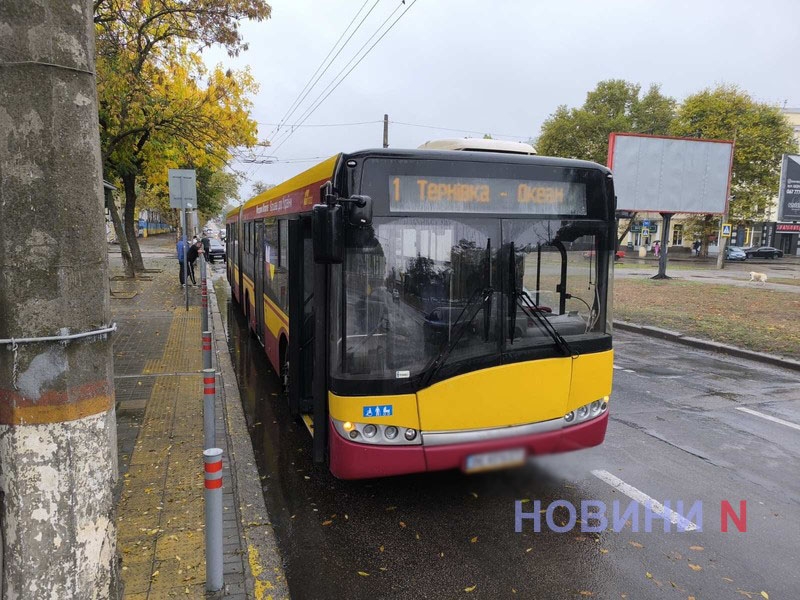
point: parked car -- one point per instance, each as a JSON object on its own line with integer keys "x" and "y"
{"x": 735, "y": 253}
{"x": 216, "y": 250}
{"x": 764, "y": 252}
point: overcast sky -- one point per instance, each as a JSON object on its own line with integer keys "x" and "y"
{"x": 498, "y": 67}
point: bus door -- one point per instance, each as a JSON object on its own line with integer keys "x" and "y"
{"x": 301, "y": 316}
{"x": 259, "y": 273}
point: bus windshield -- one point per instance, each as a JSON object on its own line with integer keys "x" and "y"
{"x": 471, "y": 289}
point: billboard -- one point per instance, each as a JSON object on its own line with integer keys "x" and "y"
{"x": 789, "y": 196}
{"x": 671, "y": 175}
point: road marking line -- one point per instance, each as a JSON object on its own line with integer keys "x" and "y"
{"x": 639, "y": 496}
{"x": 768, "y": 417}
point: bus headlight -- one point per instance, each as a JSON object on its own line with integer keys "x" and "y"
{"x": 586, "y": 412}
{"x": 373, "y": 433}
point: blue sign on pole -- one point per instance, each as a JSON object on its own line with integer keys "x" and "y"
{"x": 646, "y": 223}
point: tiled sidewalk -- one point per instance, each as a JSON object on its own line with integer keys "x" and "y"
{"x": 158, "y": 362}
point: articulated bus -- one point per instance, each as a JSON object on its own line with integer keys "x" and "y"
{"x": 432, "y": 310}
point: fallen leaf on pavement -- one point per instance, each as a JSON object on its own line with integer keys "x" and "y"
{"x": 636, "y": 544}
{"x": 470, "y": 588}
{"x": 695, "y": 567}
{"x": 363, "y": 574}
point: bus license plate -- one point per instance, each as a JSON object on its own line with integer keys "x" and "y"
{"x": 495, "y": 460}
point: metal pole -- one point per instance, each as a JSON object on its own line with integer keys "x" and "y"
{"x": 212, "y": 459}
{"x": 385, "y": 131}
{"x": 662, "y": 258}
{"x": 203, "y": 294}
{"x": 209, "y": 393}
{"x": 185, "y": 251}
{"x": 207, "y": 357}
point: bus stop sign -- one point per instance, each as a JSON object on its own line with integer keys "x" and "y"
{"x": 182, "y": 188}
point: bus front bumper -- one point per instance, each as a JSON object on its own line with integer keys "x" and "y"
{"x": 350, "y": 460}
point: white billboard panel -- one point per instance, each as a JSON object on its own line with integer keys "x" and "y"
{"x": 674, "y": 175}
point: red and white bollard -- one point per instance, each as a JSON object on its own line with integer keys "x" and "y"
{"x": 207, "y": 356}
{"x": 209, "y": 395}
{"x": 203, "y": 296}
{"x": 212, "y": 459}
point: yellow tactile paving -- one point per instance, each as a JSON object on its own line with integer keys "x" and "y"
{"x": 161, "y": 510}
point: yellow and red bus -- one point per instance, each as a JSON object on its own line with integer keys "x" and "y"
{"x": 433, "y": 310}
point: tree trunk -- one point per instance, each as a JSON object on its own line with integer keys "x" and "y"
{"x": 129, "y": 185}
{"x": 58, "y": 455}
{"x": 127, "y": 260}
{"x": 627, "y": 229}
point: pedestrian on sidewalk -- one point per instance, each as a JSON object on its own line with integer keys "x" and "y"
{"x": 180, "y": 251}
{"x": 657, "y": 248}
{"x": 192, "y": 255}
{"x": 696, "y": 247}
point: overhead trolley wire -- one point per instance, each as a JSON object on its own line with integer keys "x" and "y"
{"x": 459, "y": 130}
{"x": 302, "y": 96}
{"x": 316, "y": 103}
{"x": 304, "y": 115}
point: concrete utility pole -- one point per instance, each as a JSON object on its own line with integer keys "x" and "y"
{"x": 58, "y": 458}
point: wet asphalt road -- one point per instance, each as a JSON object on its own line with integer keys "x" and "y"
{"x": 675, "y": 434}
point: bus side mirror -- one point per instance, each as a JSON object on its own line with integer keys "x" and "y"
{"x": 360, "y": 210}
{"x": 327, "y": 234}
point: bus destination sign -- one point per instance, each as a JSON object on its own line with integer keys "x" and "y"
{"x": 506, "y": 196}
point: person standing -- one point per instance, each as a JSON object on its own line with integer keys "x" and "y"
{"x": 191, "y": 256}
{"x": 696, "y": 247}
{"x": 206, "y": 246}
{"x": 180, "y": 250}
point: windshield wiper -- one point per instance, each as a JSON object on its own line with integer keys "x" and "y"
{"x": 530, "y": 308}
{"x": 471, "y": 309}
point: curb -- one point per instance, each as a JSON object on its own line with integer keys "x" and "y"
{"x": 686, "y": 340}
{"x": 265, "y": 577}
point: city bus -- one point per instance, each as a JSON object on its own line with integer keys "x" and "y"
{"x": 431, "y": 310}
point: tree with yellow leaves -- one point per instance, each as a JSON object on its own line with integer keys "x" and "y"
{"x": 160, "y": 107}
